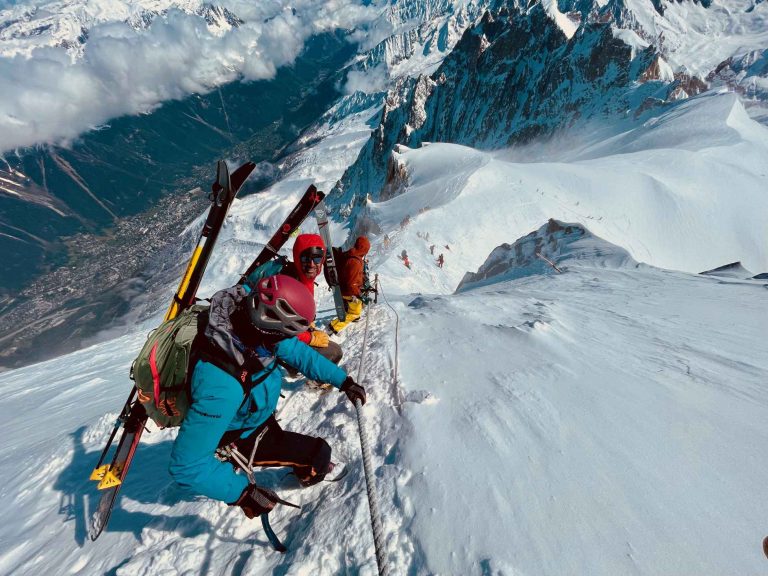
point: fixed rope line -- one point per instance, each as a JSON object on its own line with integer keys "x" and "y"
{"x": 395, "y": 388}
{"x": 373, "y": 500}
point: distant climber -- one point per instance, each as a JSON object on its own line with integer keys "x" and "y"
{"x": 432, "y": 249}
{"x": 404, "y": 258}
{"x": 440, "y": 261}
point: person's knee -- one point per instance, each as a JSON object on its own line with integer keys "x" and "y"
{"x": 322, "y": 456}
{"x": 335, "y": 352}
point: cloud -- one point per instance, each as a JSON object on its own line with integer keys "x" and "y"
{"x": 369, "y": 81}
{"x": 51, "y": 95}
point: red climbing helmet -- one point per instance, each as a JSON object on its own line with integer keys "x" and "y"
{"x": 281, "y": 306}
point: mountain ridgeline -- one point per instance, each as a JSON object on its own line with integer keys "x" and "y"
{"x": 521, "y": 74}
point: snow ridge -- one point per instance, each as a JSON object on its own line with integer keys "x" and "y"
{"x": 546, "y": 250}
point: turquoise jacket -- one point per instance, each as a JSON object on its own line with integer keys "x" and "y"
{"x": 218, "y": 406}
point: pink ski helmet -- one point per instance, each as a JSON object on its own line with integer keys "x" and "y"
{"x": 281, "y": 306}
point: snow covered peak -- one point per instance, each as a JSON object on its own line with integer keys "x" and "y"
{"x": 411, "y": 38}
{"x": 25, "y": 28}
{"x": 545, "y": 251}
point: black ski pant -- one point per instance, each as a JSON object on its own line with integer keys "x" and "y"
{"x": 309, "y": 456}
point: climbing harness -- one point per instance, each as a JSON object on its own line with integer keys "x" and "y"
{"x": 231, "y": 453}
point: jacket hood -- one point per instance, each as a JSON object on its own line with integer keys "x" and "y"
{"x": 361, "y": 247}
{"x": 304, "y": 241}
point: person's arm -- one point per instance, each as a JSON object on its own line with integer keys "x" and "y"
{"x": 216, "y": 399}
{"x": 309, "y": 362}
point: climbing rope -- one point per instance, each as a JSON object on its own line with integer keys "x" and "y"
{"x": 373, "y": 501}
{"x": 395, "y": 389}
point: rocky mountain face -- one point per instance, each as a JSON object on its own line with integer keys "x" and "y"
{"x": 417, "y": 35}
{"x": 523, "y": 73}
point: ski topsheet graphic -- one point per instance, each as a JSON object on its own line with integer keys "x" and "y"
{"x": 133, "y": 417}
{"x": 332, "y": 273}
{"x": 311, "y": 198}
{"x": 224, "y": 191}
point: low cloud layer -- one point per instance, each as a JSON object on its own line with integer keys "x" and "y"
{"x": 368, "y": 81}
{"x": 49, "y": 95}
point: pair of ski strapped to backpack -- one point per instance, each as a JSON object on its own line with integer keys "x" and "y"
{"x": 161, "y": 371}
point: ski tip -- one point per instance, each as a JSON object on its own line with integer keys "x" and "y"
{"x": 96, "y": 528}
{"x": 245, "y": 168}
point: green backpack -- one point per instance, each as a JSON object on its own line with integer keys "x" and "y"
{"x": 161, "y": 369}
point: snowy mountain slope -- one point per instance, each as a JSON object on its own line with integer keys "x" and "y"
{"x": 685, "y": 191}
{"x": 521, "y": 73}
{"x": 67, "y": 23}
{"x": 416, "y": 36}
{"x": 606, "y": 420}
{"x": 601, "y": 421}
{"x": 683, "y": 33}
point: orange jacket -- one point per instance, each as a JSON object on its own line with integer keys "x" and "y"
{"x": 351, "y": 272}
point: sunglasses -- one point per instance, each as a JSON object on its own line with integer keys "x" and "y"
{"x": 314, "y": 259}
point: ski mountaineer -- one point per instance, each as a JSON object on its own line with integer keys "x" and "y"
{"x": 351, "y": 280}
{"x": 308, "y": 259}
{"x": 247, "y": 334}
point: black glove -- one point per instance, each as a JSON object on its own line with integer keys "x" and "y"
{"x": 353, "y": 390}
{"x": 256, "y": 501}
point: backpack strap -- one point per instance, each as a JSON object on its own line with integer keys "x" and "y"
{"x": 205, "y": 350}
